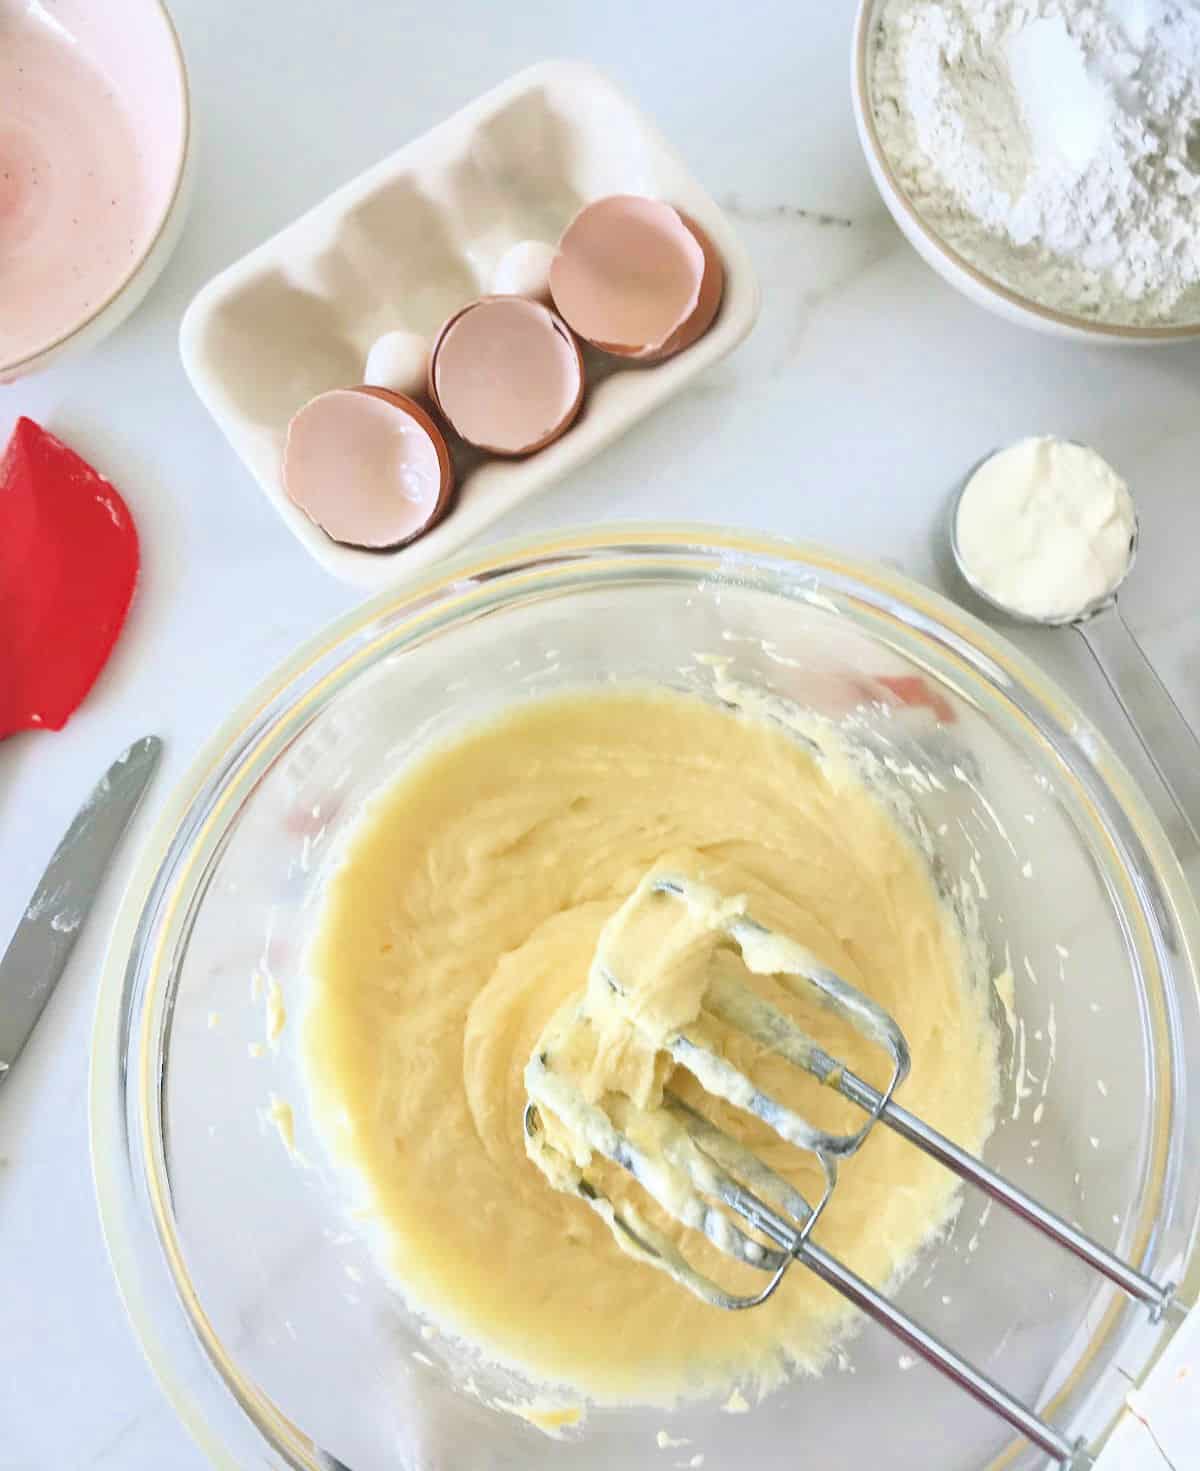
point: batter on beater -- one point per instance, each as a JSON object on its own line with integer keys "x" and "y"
{"x": 465, "y": 915}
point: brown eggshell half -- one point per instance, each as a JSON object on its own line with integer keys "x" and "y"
{"x": 506, "y": 374}
{"x": 368, "y": 466}
{"x": 636, "y": 278}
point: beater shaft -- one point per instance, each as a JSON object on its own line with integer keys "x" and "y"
{"x": 1158, "y": 1297}
{"x": 1071, "y": 1456}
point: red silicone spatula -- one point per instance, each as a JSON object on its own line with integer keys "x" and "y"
{"x": 68, "y": 565}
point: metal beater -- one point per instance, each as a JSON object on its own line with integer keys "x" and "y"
{"x": 722, "y": 1172}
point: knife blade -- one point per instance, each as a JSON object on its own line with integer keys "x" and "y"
{"x": 38, "y": 952}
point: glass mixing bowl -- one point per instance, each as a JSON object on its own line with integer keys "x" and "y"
{"x": 252, "y": 1285}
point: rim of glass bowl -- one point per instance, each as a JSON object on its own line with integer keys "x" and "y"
{"x": 226, "y": 1413}
{"x": 863, "y": 82}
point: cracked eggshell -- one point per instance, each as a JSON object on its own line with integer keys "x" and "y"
{"x": 636, "y": 278}
{"x": 506, "y": 374}
{"x": 368, "y": 466}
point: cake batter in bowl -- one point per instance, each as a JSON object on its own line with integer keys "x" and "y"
{"x": 254, "y": 1255}
{"x": 464, "y": 917}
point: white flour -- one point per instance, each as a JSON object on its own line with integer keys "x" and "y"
{"x": 1053, "y": 143}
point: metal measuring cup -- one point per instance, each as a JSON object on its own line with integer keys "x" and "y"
{"x": 1174, "y": 751}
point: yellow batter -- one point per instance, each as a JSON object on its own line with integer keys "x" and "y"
{"x": 464, "y": 917}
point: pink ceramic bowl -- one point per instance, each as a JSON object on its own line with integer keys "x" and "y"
{"x": 94, "y": 148}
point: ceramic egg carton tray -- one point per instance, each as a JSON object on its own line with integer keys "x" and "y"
{"x": 414, "y": 238}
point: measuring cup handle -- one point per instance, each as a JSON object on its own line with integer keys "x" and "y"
{"x": 1168, "y": 740}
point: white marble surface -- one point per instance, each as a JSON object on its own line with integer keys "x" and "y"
{"x": 865, "y": 390}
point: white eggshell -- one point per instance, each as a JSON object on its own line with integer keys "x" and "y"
{"x": 524, "y": 270}
{"x": 398, "y": 360}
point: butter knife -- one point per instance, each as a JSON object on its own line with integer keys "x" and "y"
{"x": 39, "y": 950}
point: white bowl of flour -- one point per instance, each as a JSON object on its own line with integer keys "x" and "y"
{"x": 1044, "y": 158}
